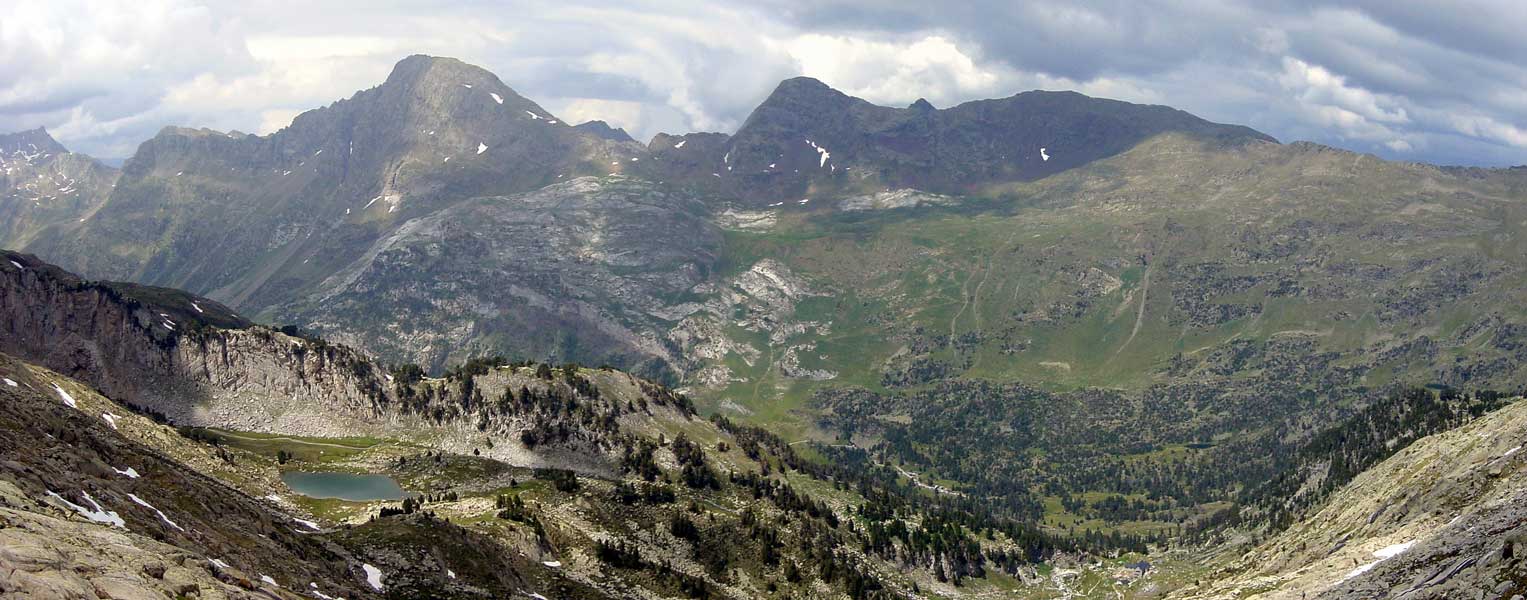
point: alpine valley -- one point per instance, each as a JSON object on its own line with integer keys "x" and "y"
{"x": 432, "y": 341}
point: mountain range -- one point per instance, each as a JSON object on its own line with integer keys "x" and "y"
{"x": 280, "y": 225}
{"x": 1093, "y": 325}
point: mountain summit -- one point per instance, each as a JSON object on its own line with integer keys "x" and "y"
{"x": 223, "y": 213}
{"x": 32, "y": 141}
{"x": 807, "y": 136}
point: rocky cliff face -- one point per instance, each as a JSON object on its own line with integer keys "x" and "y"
{"x": 190, "y": 360}
{"x": 179, "y": 364}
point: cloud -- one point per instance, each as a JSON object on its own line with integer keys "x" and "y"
{"x": 1400, "y": 78}
{"x": 276, "y": 119}
{"x": 898, "y": 73}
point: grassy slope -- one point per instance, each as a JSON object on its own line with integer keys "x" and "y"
{"x": 1261, "y": 214}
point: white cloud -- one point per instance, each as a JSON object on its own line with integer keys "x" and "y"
{"x": 1489, "y": 128}
{"x": 897, "y": 72}
{"x": 275, "y": 119}
{"x": 1314, "y": 85}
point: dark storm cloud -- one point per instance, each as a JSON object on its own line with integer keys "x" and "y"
{"x": 1403, "y": 79}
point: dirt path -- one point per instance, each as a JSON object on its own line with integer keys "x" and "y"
{"x": 965, "y": 303}
{"x": 1145, "y": 290}
{"x": 973, "y": 299}
{"x": 769, "y": 366}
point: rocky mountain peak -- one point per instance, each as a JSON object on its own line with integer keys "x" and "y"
{"x": 801, "y": 95}
{"x": 603, "y": 130}
{"x": 809, "y": 138}
{"x": 439, "y": 83}
{"x": 31, "y": 141}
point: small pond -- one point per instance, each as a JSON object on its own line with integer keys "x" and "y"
{"x": 344, "y": 486}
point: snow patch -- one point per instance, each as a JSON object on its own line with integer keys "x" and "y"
{"x": 555, "y": 564}
{"x": 18, "y": 265}
{"x": 467, "y": 85}
{"x": 99, "y": 515}
{"x": 450, "y": 573}
{"x": 67, "y": 398}
{"x": 373, "y": 576}
{"x": 9, "y": 382}
{"x": 1393, "y": 551}
{"x": 198, "y": 307}
{"x": 1044, "y": 155}
{"x": 1382, "y": 554}
{"x": 822, "y": 152}
{"x": 129, "y": 472}
{"x": 110, "y": 419}
{"x": 373, "y": 201}
{"x": 496, "y": 98}
{"x": 267, "y": 579}
{"x": 217, "y": 563}
{"x": 309, "y": 524}
{"x": 167, "y": 520}
{"x": 680, "y": 144}
{"x": 533, "y": 116}
{"x": 481, "y": 147}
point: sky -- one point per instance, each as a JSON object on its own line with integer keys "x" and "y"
{"x": 1403, "y": 79}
